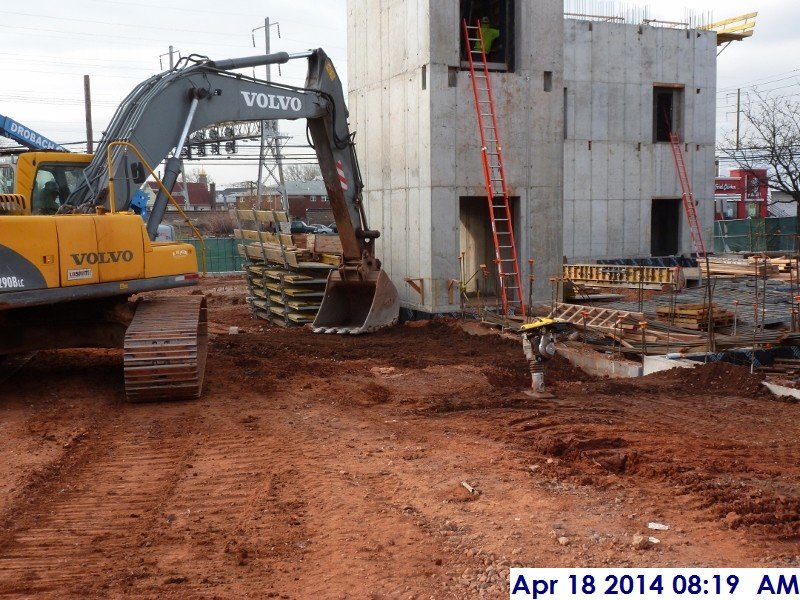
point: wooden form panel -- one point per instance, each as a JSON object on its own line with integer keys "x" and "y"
{"x": 622, "y": 275}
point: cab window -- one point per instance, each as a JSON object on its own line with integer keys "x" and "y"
{"x": 53, "y": 185}
{"x": 6, "y": 179}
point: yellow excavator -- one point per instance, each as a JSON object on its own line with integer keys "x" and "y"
{"x": 66, "y": 278}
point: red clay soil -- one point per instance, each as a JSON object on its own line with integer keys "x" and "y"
{"x": 335, "y": 464}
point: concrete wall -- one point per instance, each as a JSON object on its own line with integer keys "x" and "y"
{"x": 419, "y": 148}
{"x": 609, "y": 72}
{"x": 412, "y": 107}
{"x": 388, "y": 47}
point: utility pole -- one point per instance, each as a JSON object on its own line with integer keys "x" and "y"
{"x": 171, "y": 53}
{"x": 271, "y": 139}
{"x": 738, "y": 110}
{"x": 87, "y": 103}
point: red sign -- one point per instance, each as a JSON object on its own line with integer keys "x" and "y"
{"x": 742, "y": 195}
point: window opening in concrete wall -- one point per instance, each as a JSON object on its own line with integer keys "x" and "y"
{"x": 476, "y": 244}
{"x": 548, "y": 81}
{"x": 424, "y": 76}
{"x": 666, "y": 112}
{"x": 497, "y": 24}
{"x": 665, "y": 226}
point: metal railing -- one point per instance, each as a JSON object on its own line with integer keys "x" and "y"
{"x": 112, "y": 200}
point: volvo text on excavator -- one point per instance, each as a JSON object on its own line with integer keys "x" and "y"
{"x": 66, "y": 279}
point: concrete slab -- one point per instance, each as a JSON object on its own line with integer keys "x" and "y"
{"x": 598, "y": 364}
{"x": 782, "y": 390}
{"x": 653, "y": 364}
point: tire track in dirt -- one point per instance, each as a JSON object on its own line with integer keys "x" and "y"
{"x": 232, "y": 523}
{"x": 41, "y": 428}
{"x": 77, "y": 525}
{"x": 333, "y": 467}
{"x": 265, "y": 508}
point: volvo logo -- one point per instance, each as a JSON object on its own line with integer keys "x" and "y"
{"x": 272, "y": 101}
{"x": 102, "y": 258}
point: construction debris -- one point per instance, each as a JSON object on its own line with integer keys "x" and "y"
{"x": 633, "y": 332}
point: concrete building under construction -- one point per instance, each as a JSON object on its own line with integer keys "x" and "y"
{"x": 582, "y": 108}
{"x": 626, "y": 87}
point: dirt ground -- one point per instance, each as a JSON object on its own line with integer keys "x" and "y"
{"x": 332, "y": 467}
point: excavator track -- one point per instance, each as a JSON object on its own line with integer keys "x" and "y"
{"x": 165, "y": 349}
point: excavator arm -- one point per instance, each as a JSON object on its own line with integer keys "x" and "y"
{"x": 158, "y": 116}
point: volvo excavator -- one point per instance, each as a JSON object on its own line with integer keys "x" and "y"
{"x": 66, "y": 279}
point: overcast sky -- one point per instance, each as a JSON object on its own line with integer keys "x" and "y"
{"x": 46, "y": 46}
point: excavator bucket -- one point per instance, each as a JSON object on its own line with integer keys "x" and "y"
{"x": 358, "y": 306}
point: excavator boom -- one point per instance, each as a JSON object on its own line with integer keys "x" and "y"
{"x": 160, "y": 113}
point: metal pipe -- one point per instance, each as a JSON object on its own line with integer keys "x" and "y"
{"x": 276, "y": 58}
{"x": 186, "y": 126}
{"x": 171, "y": 171}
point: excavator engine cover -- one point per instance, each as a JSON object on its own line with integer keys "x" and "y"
{"x": 357, "y": 306}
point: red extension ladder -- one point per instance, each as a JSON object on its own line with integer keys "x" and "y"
{"x": 689, "y": 204}
{"x": 505, "y": 247}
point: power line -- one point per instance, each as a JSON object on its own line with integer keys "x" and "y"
{"x": 137, "y": 25}
{"x": 94, "y": 36}
{"x": 764, "y": 80}
{"x": 48, "y": 57}
{"x": 161, "y": 7}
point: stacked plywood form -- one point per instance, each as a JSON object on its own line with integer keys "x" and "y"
{"x": 630, "y": 276}
{"x": 783, "y": 268}
{"x": 286, "y": 274}
{"x": 695, "y": 316}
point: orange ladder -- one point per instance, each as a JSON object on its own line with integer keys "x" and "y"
{"x": 505, "y": 246}
{"x": 689, "y": 204}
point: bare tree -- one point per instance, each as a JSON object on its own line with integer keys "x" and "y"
{"x": 295, "y": 172}
{"x": 771, "y": 141}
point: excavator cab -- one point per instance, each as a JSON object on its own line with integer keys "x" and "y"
{"x": 355, "y": 306}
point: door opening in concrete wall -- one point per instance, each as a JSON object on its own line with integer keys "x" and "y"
{"x": 497, "y": 25}
{"x": 665, "y": 226}
{"x": 476, "y": 245}
{"x": 667, "y": 102}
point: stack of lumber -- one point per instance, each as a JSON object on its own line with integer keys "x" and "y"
{"x": 733, "y": 267}
{"x": 743, "y": 267}
{"x": 695, "y": 316}
{"x": 781, "y": 267}
{"x": 789, "y": 367}
{"x": 286, "y": 273}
